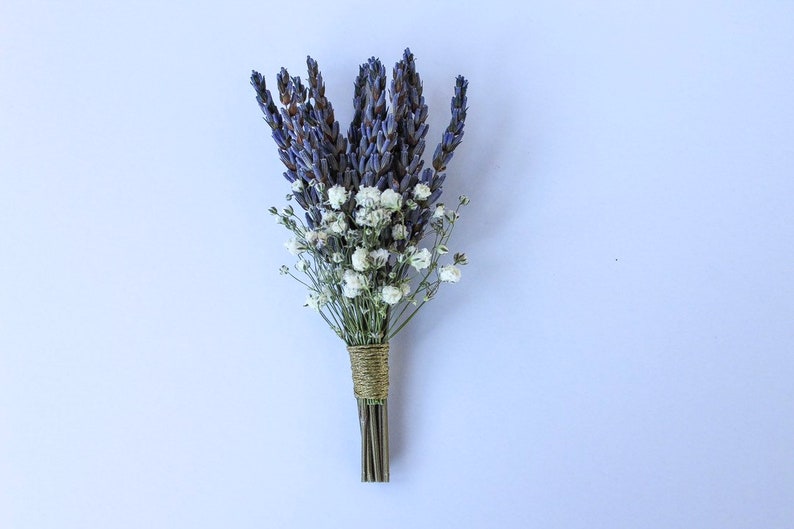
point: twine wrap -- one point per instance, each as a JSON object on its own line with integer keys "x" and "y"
{"x": 370, "y": 365}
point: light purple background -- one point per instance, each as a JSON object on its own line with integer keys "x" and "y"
{"x": 618, "y": 354}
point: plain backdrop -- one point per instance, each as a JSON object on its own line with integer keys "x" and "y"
{"x": 618, "y": 353}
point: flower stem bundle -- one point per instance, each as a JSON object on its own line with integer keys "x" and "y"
{"x": 371, "y": 239}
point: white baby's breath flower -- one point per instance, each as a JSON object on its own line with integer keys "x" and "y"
{"x": 337, "y": 257}
{"x": 399, "y": 232}
{"x": 294, "y": 247}
{"x": 379, "y": 257}
{"x": 405, "y": 288}
{"x": 368, "y": 197}
{"x": 337, "y": 195}
{"x": 360, "y": 259}
{"x": 421, "y": 191}
{"x": 420, "y": 259}
{"x": 339, "y": 225}
{"x": 313, "y": 302}
{"x": 439, "y": 211}
{"x": 391, "y": 200}
{"x": 353, "y": 283}
{"x": 297, "y": 185}
{"x": 317, "y": 301}
{"x": 372, "y": 217}
{"x": 302, "y": 265}
{"x": 449, "y": 274}
{"x": 441, "y": 249}
{"x": 316, "y": 238}
{"x": 390, "y": 294}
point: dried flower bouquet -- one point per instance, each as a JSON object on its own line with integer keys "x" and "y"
{"x": 371, "y": 244}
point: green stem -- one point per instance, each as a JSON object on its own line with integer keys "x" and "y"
{"x": 373, "y": 417}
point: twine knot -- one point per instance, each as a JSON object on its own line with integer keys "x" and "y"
{"x": 370, "y": 365}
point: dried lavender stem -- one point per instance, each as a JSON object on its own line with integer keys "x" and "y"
{"x": 373, "y": 418}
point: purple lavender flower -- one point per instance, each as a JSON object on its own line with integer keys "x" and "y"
{"x": 384, "y": 144}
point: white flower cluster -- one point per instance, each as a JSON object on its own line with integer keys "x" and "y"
{"x": 449, "y": 274}
{"x": 375, "y": 208}
{"x": 421, "y": 192}
{"x": 364, "y": 244}
{"x": 337, "y": 196}
{"x": 363, "y": 260}
{"x": 335, "y": 221}
{"x": 420, "y": 259}
{"x": 294, "y": 247}
{"x": 390, "y": 294}
{"x": 353, "y": 283}
{"x": 317, "y": 301}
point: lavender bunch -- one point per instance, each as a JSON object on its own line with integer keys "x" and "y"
{"x": 369, "y": 206}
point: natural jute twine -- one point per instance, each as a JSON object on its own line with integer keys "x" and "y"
{"x": 370, "y": 364}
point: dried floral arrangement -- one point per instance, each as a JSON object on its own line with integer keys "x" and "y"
{"x": 371, "y": 244}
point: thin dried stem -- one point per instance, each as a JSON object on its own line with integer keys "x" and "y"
{"x": 373, "y": 418}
